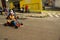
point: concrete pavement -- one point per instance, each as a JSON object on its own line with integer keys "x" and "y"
{"x": 33, "y": 29}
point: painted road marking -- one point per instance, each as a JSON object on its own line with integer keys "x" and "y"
{"x": 55, "y": 15}
{"x": 50, "y": 14}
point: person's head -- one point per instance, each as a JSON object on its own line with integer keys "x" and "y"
{"x": 12, "y": 14}
{"x": 11, "y": 11}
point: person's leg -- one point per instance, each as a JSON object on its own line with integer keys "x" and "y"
{"x": 14, "y": 24}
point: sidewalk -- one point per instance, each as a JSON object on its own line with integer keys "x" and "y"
{"x": 43, "y": 14}
{"x": 32, "y": 14}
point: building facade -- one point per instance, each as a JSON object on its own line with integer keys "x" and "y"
{"x": 34, "y": 5}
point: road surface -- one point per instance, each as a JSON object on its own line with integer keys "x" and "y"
{"x": 33, "y": 29}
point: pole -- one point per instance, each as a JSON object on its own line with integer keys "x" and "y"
{"x": 6, "y": 3}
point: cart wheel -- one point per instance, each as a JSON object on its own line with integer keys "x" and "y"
{"x": 16, "y": 27}
{"x": 21, "y": 23}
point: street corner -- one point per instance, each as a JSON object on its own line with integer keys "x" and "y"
{"x": 42, "y": 15}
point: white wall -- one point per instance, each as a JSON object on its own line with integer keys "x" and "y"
{"x": 57, "y": 3}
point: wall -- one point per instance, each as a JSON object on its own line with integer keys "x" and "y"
{"x": 0, "y": 3}
{"x": 11, "y": 5}
{"x": 57, "y": 3}
{"x": 34, "y": 5}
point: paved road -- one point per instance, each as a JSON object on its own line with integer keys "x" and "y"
{"x": 33, "y": 29}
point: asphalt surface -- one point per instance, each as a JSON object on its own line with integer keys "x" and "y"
{"x": 33, "y": 29}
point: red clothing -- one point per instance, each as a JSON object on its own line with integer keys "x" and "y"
{"x": 26, "y": 7}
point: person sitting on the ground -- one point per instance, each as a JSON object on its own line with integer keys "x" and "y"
{"x": 14, "y": 23}
{"x": 8, "y": 23}
{"x": 11, "y": 12}
{"x": 11, "y": 15}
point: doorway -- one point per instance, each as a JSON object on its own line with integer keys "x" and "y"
{"x": 17, "y": 6}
